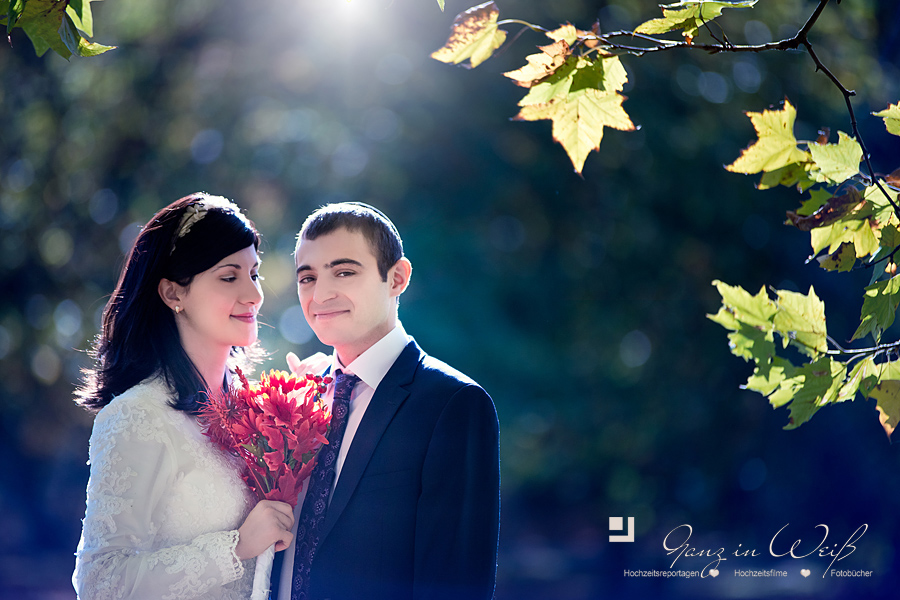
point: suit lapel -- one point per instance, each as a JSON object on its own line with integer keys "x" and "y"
{"x": 388, "y": 397}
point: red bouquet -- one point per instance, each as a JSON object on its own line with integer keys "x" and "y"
{"x": 276, "y": 426}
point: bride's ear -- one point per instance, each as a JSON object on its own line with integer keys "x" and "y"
{"x": 171, "y": 293}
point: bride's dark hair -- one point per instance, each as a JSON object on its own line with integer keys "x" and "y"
{"x": 138, "y": 337}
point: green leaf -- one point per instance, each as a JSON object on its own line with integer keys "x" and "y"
{"x": 688, "y": 15}
{"x": 606, "y": 74}
{"x": 82, "y": 17}
{"x": 856, "y": 231}
{"x": 441, "y": 4}
{"x": 891, "y": 116}
{"x": 473, "y": 37}
{"x": 768, "y": 377}
{"x": 42, "y": 20}
{"x": 757, "y": 311}
{"x": 879, "y": 308}
{"x": 556, "y": 85}
{"x": 86, "y": 48}
{"x": 752, "y": 343}
{"x": 542, "y": 65}
{"x": 578, "y": 120}
{"x": 862, "y": 379}
{"x": 13, "y": 13}
{"x": 801, "y": 320}
{"x": 837, "y": 162}
{"x": 811, "y": 387}
{"x": 883, "y": 211}
{"x": 793, "y": 174}
{"x": 69, "y": 34}
{"x": 817, "y": 199}
{"x": 815, "y": 214}
{"x": 840, "y": 260}
{"x": 890, "y": 237}
{"x": 776, "y": 147}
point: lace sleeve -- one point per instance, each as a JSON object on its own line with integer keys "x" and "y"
{"x": 133, "y": 466}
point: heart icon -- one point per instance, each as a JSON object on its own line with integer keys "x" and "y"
{"x": 804, "y": 572}
{"x": 714, "y": 572}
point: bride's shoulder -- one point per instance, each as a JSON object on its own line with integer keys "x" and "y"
{"x": 149, "y": 397}
{"x": 140, "y": 414}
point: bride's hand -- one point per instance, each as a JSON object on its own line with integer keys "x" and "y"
{"x": 268, "y": 523}
{"x": 316, "y": 363}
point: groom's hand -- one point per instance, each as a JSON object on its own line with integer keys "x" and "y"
{"x": 316, "y": 363}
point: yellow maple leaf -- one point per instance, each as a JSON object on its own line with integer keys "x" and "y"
{"x": 887, "y": 397}
{"x": 578, "y": 120}
{"x": 776, "y": 146}
{"x": 474, "y": 36}
{"x": 542, "y": 65}
{"x": 571, "y": 34}
{"x": 891, "y": 116}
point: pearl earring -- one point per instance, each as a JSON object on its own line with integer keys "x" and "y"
{"x": 177, "y": 309}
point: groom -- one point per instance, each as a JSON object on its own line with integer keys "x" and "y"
{"x": 410, "y": 507}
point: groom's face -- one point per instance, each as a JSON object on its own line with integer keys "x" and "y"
{"x": 343, "y": 297}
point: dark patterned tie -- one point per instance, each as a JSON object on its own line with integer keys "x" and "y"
{"x": 315, "y": 504}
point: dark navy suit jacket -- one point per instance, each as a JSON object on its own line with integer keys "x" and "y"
{"x": 415, "y": 514}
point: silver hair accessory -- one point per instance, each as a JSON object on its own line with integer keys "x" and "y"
{"x": 192, "y": 214}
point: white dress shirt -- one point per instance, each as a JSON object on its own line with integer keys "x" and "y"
{"x": 371, "y": 366}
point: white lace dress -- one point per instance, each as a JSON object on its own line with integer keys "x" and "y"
{"x": 163, "y": 507}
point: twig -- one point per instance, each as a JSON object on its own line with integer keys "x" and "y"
{"x": 871, "y": 264}
{"x": 874, "y": 350}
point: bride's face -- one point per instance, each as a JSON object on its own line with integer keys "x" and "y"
{"x": 220, "y": 305}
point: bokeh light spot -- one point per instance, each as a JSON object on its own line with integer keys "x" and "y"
{"x": 46, "y": 365}
{"x": 714, "y": 88}
{"x": 635, "y": 349}
{"x": 103, "y": 206}
{"x": 757, "y": 32}
{"x": 293, "y": 326}
{"x": 127, "y": 236}
{"x": 207, "y": 146}
{"x": 67, "y": 318}
{"x": 349, "y": 160}
{"x": 746, "y": 76}
{"x": 20, "y": 176}
{"x": 56, "y": 247}
{"x": 381, "y": 124}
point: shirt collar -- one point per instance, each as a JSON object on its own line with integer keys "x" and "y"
{"x": 372, "y": 365}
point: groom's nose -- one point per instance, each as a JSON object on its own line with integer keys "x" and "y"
{"x": 323, "y": 290}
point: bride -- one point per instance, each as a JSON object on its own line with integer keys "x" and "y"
{"x": 168, "y": 515}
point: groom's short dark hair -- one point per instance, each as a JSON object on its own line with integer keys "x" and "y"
{"x": 378, "y": 230}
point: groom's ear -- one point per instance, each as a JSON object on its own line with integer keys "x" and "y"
{"x": 398, "y": 276}
{"x": 170, "y": 292}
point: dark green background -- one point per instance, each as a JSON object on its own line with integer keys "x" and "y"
{"x": 579, "y": 303}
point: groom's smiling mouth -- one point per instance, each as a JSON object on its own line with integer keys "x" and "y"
{"x": 325, "y": 315}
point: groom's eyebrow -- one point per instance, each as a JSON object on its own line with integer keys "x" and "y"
{"x": 332, "y": 264}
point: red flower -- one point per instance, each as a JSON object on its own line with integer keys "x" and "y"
{"x": 276, "y": 426}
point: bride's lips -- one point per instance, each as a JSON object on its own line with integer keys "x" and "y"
{"x": 246, "y": 318}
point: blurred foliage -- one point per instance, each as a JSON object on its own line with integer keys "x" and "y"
{"x": 578, "y": 303}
